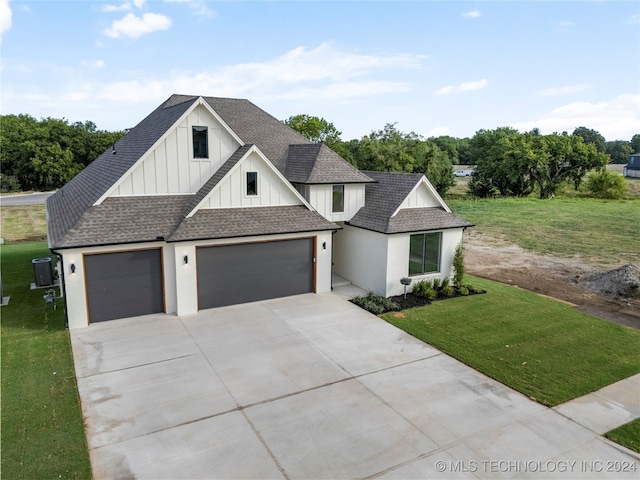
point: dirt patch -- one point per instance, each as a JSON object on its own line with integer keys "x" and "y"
{"x": 561, "y": 278}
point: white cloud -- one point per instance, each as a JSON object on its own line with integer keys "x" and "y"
{"x": 563, "y": 26}
{"x": 581, "y": 87}
{"x": 471, "y": 14}
{"x": 322, "y": 72}
{"x": 5, "y": 17}
{"x": 463, "y": 87}
{"x": 616, "y": 119}
{"x": 438, "y": 132}
{"x": 93, "y": 63}
{"x": 116, "y": 8}
{"x": 633, "y": 20}
{"x": 133, "y": 26}
{"x": 198, "y": 7}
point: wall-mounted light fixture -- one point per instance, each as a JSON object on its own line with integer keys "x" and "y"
{"x": 185, "y": 259}
{"x": 72, "y": 267}
{"x": 324, "y": 245}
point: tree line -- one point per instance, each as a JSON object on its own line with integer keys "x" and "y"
{"x": 45, "y": 154}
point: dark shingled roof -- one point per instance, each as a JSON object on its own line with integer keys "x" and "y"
{"x": 249, "y": 221}
{"x": 384, "y": 198}
{"x": 316, "y": 163}
{"x": 128, "y": 220}
{"x": 67, "y": 208}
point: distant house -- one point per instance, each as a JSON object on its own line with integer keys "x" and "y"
{"x": 212, "y": 201}
{"x": 632, "y": 168}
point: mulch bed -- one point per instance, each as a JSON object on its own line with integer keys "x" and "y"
{"x": 411, "y": 301}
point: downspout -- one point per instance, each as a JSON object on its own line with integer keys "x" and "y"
{"x": 63, "y": 286}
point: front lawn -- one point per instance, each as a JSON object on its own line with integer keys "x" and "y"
{"x": 627, "y": 435}
{"x": 42, "y": 427}
{"x": 540, "y": 347}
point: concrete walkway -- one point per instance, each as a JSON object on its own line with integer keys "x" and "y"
{"x": 607, "y": 408}
{"x": 311, "y": 387}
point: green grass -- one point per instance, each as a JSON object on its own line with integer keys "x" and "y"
{"x": 23, "y": 222}
{"x": 602, "y": 233}
{"x": 42, "y": 427}
{"x": 540, "y": 347}
{"x": 628, "y": 435}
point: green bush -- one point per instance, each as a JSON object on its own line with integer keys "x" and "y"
{"x": 606, "y": 184}
{"x": 376, "y": 304}
{"x": 448, "y": 291}
{"x": 446, "y": 281}
{"x": 458, "y": 265}
{"x": 436, "y": 284}
{"x": 420, "y": 287}
{"x": 430, "y": 293}
{"x": 464, "y": 291}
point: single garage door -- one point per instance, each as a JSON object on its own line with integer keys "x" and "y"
{"x": 124, "y": 284}
{"x": 231, "y": 274}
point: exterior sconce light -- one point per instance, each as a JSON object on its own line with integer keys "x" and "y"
{"x": 324, "y": 245}
{"x": 72, "y": 267}
{"x": 185, "y": 259}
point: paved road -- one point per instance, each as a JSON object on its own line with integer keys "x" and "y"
{"x": 27, "y": 199}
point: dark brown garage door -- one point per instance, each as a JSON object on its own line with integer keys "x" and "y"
{"x": 249, "y": 272}
{"x": 124, "y": 284}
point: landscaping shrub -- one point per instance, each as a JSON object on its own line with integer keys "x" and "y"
{"x": 458, "y": 265}
{"x": 430, "y": 293}
{"x": 464, "y": 291}
{"x": 420, "y": 287}
{"x": 448, "y": 291}
{"x": 606, "y": 184}
{"x": 374, "y": 303}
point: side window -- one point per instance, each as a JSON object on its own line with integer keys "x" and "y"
{"x": 252, "y": 183}
{"x": 337, "y": 204}
{"x": 424, "y": 253}
{"x": 200, "y": 145}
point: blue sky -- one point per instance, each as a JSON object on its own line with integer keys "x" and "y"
{"x": 435, "y": 68}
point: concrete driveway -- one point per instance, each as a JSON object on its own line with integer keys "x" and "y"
{"x": 310, "y": 387}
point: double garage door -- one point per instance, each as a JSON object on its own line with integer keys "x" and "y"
{"x": 240, "y": 273}
{"x": 128, "y": 284}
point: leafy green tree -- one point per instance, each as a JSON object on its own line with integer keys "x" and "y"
{"x": 46, "y": 153}
{"x": 619, "y": 151}
{"x": 390, "y": 150}
{"x": 501, "y": 157}
{"x": 635, "y": 143}
{"x": 556, "y": 159}
{"x": 591, "y": 136}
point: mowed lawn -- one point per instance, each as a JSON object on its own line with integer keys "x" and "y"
{"x": 602, "y": 233}
{"x": 42, "y": 427}
{"x": 542, "y": 348}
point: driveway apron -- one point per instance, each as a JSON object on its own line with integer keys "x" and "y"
{"x": 310, "y": 386}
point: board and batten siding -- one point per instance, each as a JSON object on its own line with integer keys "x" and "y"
{"x": 171, "y": 169}
{"x": 232, "y": 190}
{"x": 419, "y": 198}
{"x": 321, "y": 198}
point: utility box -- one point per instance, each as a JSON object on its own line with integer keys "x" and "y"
{"x": 43, "y": 271}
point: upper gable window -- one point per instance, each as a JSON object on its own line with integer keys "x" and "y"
{"x": 200, "y": 145}
{"x": 252, "y": 183}
{"x": 337, "y": 199}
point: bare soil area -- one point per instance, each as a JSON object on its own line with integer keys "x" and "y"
{"x": 564, "y": 279}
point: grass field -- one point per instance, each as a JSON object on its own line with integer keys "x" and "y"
{"x": 539, "y": 347}
{"x": 627, "y": 435}
{"x": 23, "y": 222}
{"x": 42, "y": 428}
{"x": 601, "y": 232}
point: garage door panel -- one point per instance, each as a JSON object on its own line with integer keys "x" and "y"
{"x": 243, "y": 273}
{"x": 124, "y": 284}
